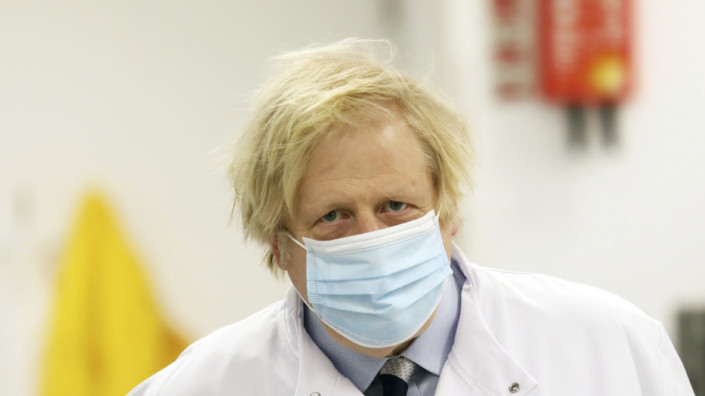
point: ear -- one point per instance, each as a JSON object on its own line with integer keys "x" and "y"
{"x": 274, "y": 247}
{"x": 454, "y": 229}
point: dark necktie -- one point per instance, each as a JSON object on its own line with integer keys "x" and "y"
{"x": 395, "y": 375}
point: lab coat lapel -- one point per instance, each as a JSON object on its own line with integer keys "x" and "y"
{"x": 316, "y": 373}
{"x": 477, "y": 364}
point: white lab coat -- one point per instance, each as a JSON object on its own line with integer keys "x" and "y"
{"x": 518, "y": 334}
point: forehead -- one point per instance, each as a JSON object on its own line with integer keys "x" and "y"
{"x": 388, "y": 139}
{"x": 382, "y": 154}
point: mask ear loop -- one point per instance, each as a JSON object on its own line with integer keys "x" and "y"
{"x": 295, "y": 289}
{"x": 445, "y": 283}
{"x": 305, "y": 302}
{"x": 297, "y": 242}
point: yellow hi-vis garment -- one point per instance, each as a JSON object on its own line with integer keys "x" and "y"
{"x": 106, "y": 333}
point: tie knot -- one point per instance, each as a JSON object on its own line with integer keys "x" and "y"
{"x": 399, "y": 367}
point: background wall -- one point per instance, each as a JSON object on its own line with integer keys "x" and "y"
{"x": 136, "y": 98}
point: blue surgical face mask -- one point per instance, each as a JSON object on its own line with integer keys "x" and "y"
{"x": 377, "y": 289}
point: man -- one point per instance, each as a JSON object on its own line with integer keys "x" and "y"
{"x": 351, "y": 173}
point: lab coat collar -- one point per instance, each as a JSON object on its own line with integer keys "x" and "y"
{"x": 477, "y": 357}
{"x": 316, "y": 372}
{"x": 477, "y": 363}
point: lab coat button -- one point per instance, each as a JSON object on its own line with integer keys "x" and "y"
{"x": 514, "y": 388}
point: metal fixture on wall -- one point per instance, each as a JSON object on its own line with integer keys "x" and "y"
{"x": 691, "y": 336}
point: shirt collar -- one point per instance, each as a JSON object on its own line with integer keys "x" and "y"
{"x": 424, "y": 351}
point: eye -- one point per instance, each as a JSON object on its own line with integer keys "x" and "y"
{"x": 331, "y": 216}
{"x": 396, "y": 206}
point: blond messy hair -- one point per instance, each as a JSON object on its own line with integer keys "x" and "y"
{"x": 314, "y": 89}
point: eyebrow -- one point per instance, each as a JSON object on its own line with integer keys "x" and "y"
{"x": 321, "y": 206}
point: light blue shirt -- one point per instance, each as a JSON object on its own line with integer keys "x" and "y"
{"x": 429, "y": 351}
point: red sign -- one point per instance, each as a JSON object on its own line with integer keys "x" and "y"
{"x": 586, "y": 50}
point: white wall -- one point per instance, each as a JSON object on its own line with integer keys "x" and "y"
{"x": 135, "y": 96}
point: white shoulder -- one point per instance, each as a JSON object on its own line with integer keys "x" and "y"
{"x": 540, "y": 319}
{"x": 545, "y": 294}
{"x": 548, "y": 304}
{"x": 228, "y": 359}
